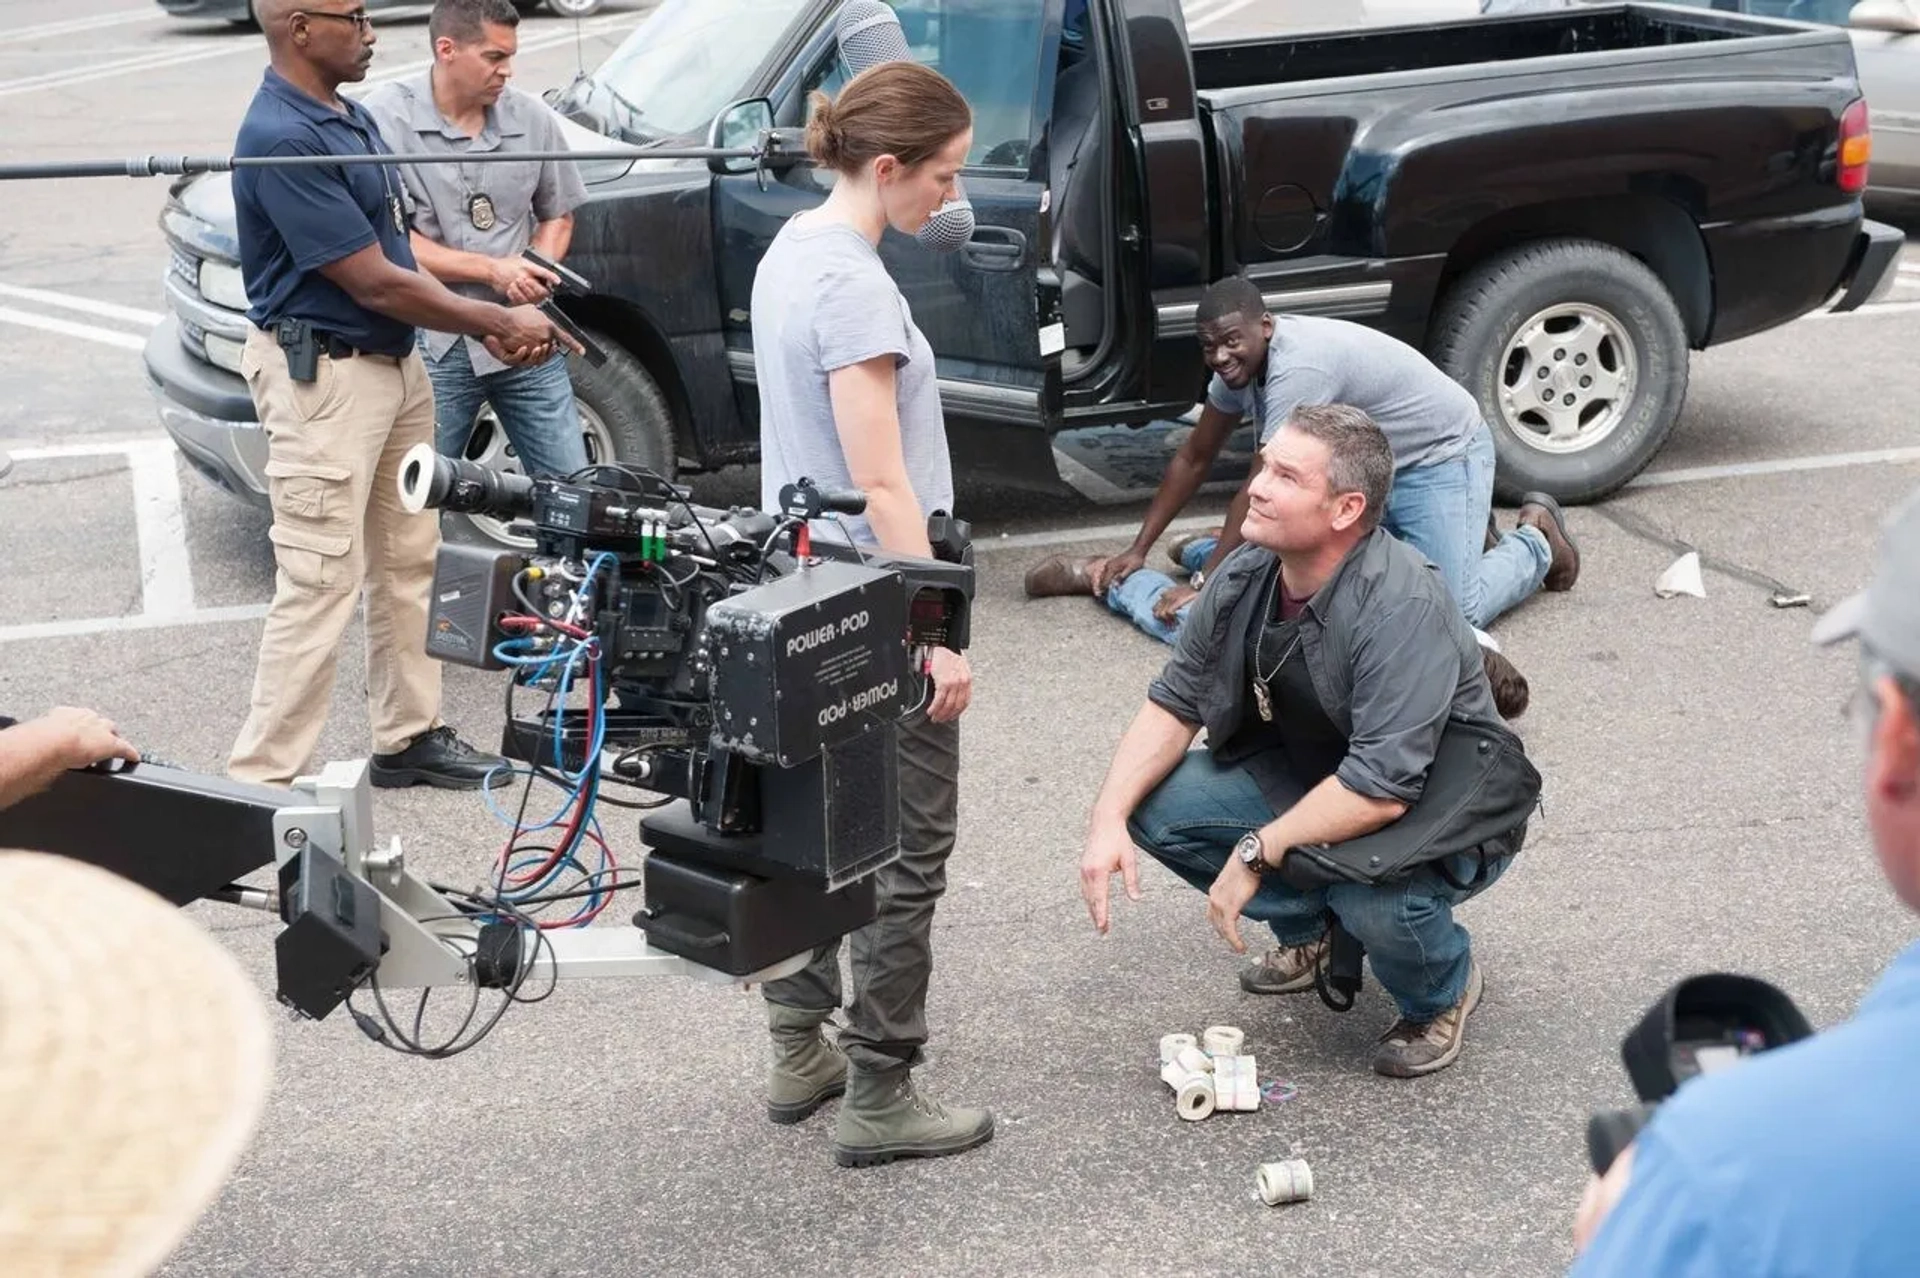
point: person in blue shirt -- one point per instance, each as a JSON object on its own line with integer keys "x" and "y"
{"x": 1804, "y": 1159}
{"x": 341, "y": 392}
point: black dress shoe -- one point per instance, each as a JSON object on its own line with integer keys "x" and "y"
{"x": 439, "y": 757}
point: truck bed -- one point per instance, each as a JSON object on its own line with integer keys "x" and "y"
{"x": 1510, "y": 38}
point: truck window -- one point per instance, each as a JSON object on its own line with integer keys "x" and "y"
{"x": 689, "y": 58}
{"x": 990, "y": 49}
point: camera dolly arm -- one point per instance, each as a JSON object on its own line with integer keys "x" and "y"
{"x": 352, "y": 909}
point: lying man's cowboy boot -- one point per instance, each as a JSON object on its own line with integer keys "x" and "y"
{"x": 1413, "y": 1048}
{"x": 1060, "y": 575}
{"x": 1177, "y": 548}
{"x": 884, "y": 1117}
{"x": 1510, "y": 691}
{"x": 1284, "y": 969}
{"x": 808, "y": 1070}
{"x": 1544, "y": 513}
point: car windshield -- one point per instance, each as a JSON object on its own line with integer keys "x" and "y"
{"x": 690, "y": 58}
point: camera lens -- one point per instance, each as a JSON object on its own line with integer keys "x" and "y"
{"x": 464, "y": 487}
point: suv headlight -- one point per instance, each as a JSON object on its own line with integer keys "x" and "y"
{"x": 223, "y": 285}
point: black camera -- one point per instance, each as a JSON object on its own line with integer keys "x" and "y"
{"x": 729, "y": 660}
{"x": 1702, "y": 1025}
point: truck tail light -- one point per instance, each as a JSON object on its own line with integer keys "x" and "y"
{"x": 1856, "y": 147}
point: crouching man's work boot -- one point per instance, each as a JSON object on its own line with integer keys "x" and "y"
{"x": 884, "y": 1117}
{"x": 808, "y": 1071}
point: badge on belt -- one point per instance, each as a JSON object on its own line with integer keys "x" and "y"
{"x": 480, "y": 212}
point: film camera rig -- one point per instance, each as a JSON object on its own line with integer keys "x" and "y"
{"x": 748, "y": 674}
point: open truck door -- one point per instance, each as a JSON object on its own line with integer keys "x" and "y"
{"x": 992, "y": 323}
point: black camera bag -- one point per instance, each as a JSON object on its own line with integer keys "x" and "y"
{"x": 1477, "y": 798}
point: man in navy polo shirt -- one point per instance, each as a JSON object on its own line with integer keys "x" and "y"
{"x": 342, "y": 394}
{"x": 1804, "y": 1159}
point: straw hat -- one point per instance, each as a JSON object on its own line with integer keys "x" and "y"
{"x": 135, "y": 1061}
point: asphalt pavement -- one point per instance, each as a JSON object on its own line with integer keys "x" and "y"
{"x": 1701, "y": 813}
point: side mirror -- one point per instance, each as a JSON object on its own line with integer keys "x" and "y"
{"x": 741, "y": 125}
{"x": 1896, "y": 16}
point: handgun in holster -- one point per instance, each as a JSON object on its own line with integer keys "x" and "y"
{"x": 302, "y": 345}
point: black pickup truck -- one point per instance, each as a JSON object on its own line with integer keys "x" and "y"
{"x": 1557, "y": 206}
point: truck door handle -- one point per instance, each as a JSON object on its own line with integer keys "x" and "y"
{"x": 995, "y": 248}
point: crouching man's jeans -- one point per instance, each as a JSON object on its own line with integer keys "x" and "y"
{"x": 1419, "y": 953}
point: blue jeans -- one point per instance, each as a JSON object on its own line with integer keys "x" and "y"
{"x": 534, "y": 404}
{"x": 1441, "y": 511}
{"x": 1419, "y": 953}
{"x": 1135, "y": 597}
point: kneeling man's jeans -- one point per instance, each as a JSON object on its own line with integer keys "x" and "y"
{"x": 1419, "y": 953}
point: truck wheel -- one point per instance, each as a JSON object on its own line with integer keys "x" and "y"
{"x": 1578, "y": 357}
{"x": 623, "y": 416}
{"x": 574, "y": 8}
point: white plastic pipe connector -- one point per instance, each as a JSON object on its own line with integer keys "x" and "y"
{"x": 1285, "y": 1182}
{"x": 1195, "y": 1101}
{"x": 1222, "y": 1040}
{"x": 1170, "y": 1045}
{"x": 1193, "y": 1094}
{"x": 1193, "y": 1060}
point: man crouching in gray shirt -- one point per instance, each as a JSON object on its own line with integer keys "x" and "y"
{"x": 1324, "y": 660}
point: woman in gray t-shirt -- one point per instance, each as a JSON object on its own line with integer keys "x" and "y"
{"x": 848, "y": 398}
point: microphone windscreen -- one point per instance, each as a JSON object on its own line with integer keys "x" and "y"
{"x": 868, "y": 33}
{"x": 949, "y": 228}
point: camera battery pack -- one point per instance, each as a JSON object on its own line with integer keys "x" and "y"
{"x": 809, "y": 660}
{"x": 472, "y": 590}
{"x": 332, "y": 939}
{"x": 739, "y": 923}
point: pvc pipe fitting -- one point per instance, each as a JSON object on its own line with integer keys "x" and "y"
{"x": 1285, "y": 1182}
{"x": 1222, "y": 1040}
{"x": 1193, "y": 1060}
{"x": 1170, "y": 1045}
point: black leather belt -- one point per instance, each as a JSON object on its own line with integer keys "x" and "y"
{"x": 337, "y": 347}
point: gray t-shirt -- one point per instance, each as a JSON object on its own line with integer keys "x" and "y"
{"x": 521, "y": 195}
{"x": 823, "y": 300}
{"x": 1427, "y": 416}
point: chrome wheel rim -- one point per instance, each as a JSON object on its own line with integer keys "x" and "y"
{"x": 489, "y": 446}
{"x": 1568, "y": 378}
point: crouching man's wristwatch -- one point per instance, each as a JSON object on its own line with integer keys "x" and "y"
{"x": 1252, "y": 852}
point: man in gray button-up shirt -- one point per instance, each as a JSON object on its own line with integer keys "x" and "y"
{"x": 1324, "y": 660}
{"x": 471, "y": 222}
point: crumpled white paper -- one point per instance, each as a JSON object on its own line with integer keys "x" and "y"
{"x": 1682, "y": 577}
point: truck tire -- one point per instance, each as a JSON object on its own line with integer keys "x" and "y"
{"x": 630, "y": 405}
{"x": 623, "y": 415}
{"x": 1578, "y": 357}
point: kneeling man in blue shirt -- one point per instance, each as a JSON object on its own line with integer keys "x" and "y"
{"x": 1806, "y": 1159}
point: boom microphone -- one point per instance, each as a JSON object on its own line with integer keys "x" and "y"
{"x": 869, "y": 34}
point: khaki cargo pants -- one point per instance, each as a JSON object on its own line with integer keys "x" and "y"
{"x": 334, "y": 450}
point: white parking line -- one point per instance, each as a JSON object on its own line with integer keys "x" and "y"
{"x": 1777, "y": 466}
{"x": 167, "y": 580}
{"x": 43, "y": 630}
{"x": 70, "y": 26}
{"x": 69, "y": 328}
{"x": 160, "y": 527}
{"x": 120, "y": 67}
{"x": 85, "y": 305}
{"x": 1879, "y": 309}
